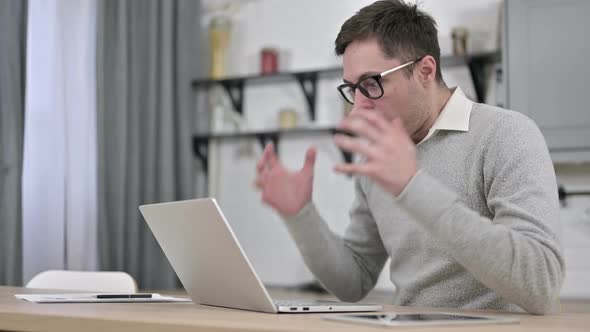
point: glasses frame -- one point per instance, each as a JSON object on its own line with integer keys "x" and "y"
{"x": 376, "y": 77}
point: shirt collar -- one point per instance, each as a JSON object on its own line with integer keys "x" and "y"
{"x": 454, "y": 116}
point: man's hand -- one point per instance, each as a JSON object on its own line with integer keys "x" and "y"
{"x": 285, "y": 191}
{"x": 389, "y": 151}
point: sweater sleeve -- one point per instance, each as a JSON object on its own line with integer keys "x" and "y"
{"x": 517, "y": 254}
{"x": 347, "y": 266}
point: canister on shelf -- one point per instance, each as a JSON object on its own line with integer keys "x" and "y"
{"x": 287, "y": 118}
{"x": 269, "y": 60}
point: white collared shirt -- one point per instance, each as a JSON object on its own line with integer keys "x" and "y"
{"x": 454, "y": 116}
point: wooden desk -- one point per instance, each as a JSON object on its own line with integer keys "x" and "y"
{"x": 18, "y": 315}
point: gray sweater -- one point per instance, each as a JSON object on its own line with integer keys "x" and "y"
{"x": 476, "y": 227}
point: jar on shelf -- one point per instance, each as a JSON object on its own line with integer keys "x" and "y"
{"x": 459, "y": 36}
{"x": 287, "y": 118}
{"x": 269, "y": 61}
{"x": 219, "y": 33}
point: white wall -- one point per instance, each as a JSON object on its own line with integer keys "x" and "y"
{"x": 305, "y": 30}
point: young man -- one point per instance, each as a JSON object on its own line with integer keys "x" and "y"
{"x": 461, "y": 196}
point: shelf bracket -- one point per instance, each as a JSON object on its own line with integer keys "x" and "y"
{"x": 264, "y": 138}
{"x": 479, "y": 74}
{"x": 201, "y": 151}
{"x": 563, "y": 194}
{"x": 309, "y": 82}
{"x": 201, "y": 146}
{"x": 235, "y": 91}
{"x": 347, "y": 156}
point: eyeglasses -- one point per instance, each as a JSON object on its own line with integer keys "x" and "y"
{"x": 369, "y": 86}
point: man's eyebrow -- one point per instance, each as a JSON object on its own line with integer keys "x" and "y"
{"x": 363, "y": 76}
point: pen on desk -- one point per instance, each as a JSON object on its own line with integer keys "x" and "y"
{"x": 124, "y": 296}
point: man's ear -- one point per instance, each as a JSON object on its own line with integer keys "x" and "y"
{"x": 426, "y": 69}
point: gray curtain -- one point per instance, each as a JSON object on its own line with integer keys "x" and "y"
{"x": 13, "y": 22}
{"x": 147, "y": 54}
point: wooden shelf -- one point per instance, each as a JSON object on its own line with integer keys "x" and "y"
{"x": 201, "y": 141}
{"x": 307, "y": 79}
{"x": 234, "y": 86}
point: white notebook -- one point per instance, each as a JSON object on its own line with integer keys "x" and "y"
{"x": 92, "y": 298}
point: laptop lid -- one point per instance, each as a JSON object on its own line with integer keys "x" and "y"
{"x": 207, "y": 257}
{"x": 203, "y": 250}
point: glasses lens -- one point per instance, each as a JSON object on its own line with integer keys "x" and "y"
{"x": 347, "y": 92}
{"x": 371, "y": 88}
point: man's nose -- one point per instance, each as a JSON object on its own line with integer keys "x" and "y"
{"x": 362, "y": 102}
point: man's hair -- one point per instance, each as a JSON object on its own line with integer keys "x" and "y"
{"x": 402, "y": 30}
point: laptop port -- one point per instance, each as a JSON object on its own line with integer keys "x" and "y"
{"x": 305, "y": 308}
{"x": 293, "y": 309}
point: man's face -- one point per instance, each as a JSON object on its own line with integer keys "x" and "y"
{"x": 403, "y": 96}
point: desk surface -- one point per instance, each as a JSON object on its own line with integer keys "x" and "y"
{"x": 18, "y": 315}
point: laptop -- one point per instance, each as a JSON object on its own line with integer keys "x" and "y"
{"x": 211, "y": 264}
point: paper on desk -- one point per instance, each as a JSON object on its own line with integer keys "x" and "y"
{"x": 91, "y": 298}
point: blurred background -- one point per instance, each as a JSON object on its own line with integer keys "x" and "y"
{"x": 107, "y": 105}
